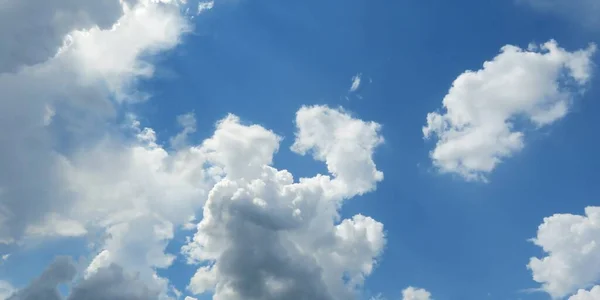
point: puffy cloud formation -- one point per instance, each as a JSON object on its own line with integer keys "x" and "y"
{"x": 583, "y": 11}
{"x": 593, "y": 294}
{"x": 108, "y": 283}
{"x": 68, "y": 97}
{"x": 412, "y": 293}
{"x": 573, "y": 256}
{"x": 484, "y": 109}
{"x": 69, "y": 170}
{"x": 264, "y": 235}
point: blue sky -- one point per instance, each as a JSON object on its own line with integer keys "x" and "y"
{"x": 263, "y": 60}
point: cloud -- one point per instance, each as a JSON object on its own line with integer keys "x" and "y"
{"x": 412, "y": 293}
{"x": 593, "y": 294}
{"x": 6, "y": 290}
{"x": 581, "y": 11}
{"x": 572, "y": 258}
{"x": 264, "y": 235}
{"x": 204, "y": 6}
{"x": 108, "y": 283}
{"x": 483, "y": 110}
{"x": 71, "y": 170}
{"x": 77, "y": 83}
{"x": 355, "y": 82}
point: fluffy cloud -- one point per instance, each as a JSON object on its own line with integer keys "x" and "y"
{"x": 583, "y": 11}
{"x": 593, "y": 294}
{"x": 484, "y": 109}
{"x": 108, "y": 283}
{"x": 572, "y": 258}
{"x": 70, "y": 170}
{"x": 67, "y": 168}
{"x": 264, "y": 235}
{"x": 69, "y": 96}
{"x": 412, "y": 293}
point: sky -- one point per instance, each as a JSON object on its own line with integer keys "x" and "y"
{"x": 323, "y": 150}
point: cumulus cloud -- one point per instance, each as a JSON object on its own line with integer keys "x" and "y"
{"x": 483, "y": 112}
{"x": 76, "y": 83}
{"x": 66, "y": 168}
{"x": 264, "y": 235}
{"x": 70, "y": 170}
{"x": 108, "y": 283}
{"x": 572, "y": 258}
{"x": 582, "y": 11}
{"x": 412, "y": 293}
{"x": 593, "y": 294}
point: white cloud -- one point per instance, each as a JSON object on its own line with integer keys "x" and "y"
{"x": 264, "y": 235}
{"x": 77, "y": 83}
{"x": 6, "y": 289}
{"x": 480, "y": 125}
{"x": 355, "y": 82}
{"x": 64, "y": 86}
{"x": 412, "y": 293}
{"x": 572, "y": 258}
{"x": 204, "y": 6}
{"x": 126, "y": 186}
{"x": 108, "y": 283}
{"x": 593, "y": 294}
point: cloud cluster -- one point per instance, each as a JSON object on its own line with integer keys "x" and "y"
{"x": 108, "y": 283}
{"x": 264, "y": 235}
{"x": 484, "y": 111}
{"x": 572, "y": 258}
{"x": 68, "y": 98}
{"x": 69, "y": 170}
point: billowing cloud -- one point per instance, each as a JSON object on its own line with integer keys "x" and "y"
{"x": 485, "y": 109}
{"x": 77, "y": 84}
{"x": 412, "y": 293}
{"x": 264, "y": 235}
{"x": 108, "y": 283}
{"x": 593, "y": 294}
{"x": 572, "y": 258}
{"x": 69, "y": 169}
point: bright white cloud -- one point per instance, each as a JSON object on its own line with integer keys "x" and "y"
{"x": 593, "y": 294}
{"x": 412, "y": 293}
{"x": 264, "y": 235}
{"x": 572, "y": 258}
{"x": 355, "y": 82}
{"x": 484, "y": 109}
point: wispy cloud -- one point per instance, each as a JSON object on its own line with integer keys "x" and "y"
{"x": 355, "y": 82}
{"x": 204, "y": 6}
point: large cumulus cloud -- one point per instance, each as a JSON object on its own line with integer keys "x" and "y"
{"x": 265, "y": 235}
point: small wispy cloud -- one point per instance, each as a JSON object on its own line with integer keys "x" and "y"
{"x": 355, "y": 82}
{"x": 204, "y": 6}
